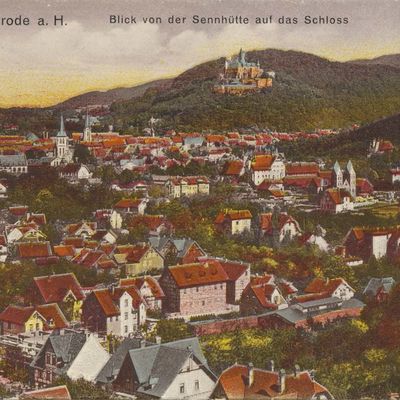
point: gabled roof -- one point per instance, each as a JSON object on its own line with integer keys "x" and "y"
{"x": 319, "y": 285}
{"x": 153, "y": 284}
{"x": 234, "y": 382}
{"x": 54, "y": 288}
{"x": 263, "y": 294}
{"x": 266, "y": 223}
{"x": 156, "y": 367}
{"x": 106, "y": 302}
{"x": 379, "y": 285}
{"x": 337, "y": 195}
{"x": 39, "y": 219}
{"x": 113, "y": 366}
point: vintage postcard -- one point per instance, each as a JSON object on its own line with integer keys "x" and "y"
{"x": 200, "y": 199}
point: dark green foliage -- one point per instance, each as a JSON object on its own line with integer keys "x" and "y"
{"x": 309, "y": 92}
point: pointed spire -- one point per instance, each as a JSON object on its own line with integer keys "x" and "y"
{"x": 61, "y": 132}
{"x": 349, "y": 166}
{"x": 62, "y": 128}
{"x": 336, "y": 167}
{"x": 87, "y": 121}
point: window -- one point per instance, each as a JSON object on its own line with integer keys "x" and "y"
{"x": 182, "y": 388}
{"x": 126, "y": 328}
{"x": 197, "y": 289}
{"x": 196, "y": 385}
{"x": 126, "y": 302}
{"x": 37, "y": 326}
{"x": 126, "y": 316}
{"x": 203, "y": 303}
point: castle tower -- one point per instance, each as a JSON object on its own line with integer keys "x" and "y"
{"x": 337, "y": 176}
{"x": 351, "y": 178}
{"x": 87, "y": 132}
{"x": 61, "y": 141}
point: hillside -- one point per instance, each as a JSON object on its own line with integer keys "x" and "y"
{"x": 308, "y": 92}
{"x": 109, "y": 96}
{"x": 353, "y": 144}
{"x": 391, "y": 59}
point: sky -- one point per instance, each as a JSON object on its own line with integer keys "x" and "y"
{"x": 43, "y": 65}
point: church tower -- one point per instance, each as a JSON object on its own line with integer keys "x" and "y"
{"x": 62, "y": 141}
{"x": 337, "y": 176}
{"x": 87, "y": 132}
{"x": 351, "y": 177}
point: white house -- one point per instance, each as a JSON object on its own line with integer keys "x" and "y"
{"x": 267, "y": 166}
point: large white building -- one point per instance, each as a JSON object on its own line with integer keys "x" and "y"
{"x": 267, "y": 166}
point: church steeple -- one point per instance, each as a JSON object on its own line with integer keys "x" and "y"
{"x": 61, "y": 132}
{"x": 87, "y": 132}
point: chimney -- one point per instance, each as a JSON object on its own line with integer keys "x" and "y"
{"x": 296, "y": 370}
{"x": 250, "y": 368}
{"x": 271, "y": 365}
{"x": 158, "y": 339}
{"x": 282, "y": 381}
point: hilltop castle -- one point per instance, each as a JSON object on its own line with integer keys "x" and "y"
{"x": 241, "y": 76}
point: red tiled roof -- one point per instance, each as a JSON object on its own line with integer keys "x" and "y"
{"x": 34, "y": 249}
{"x": 262, "y": 162}
{"x": 39, "y": 219}
{"x": 155, "y": 287}
{"x": 73, "y": 228}
{"x": 51, "y": 393}
{"x": 106, "y": 302}
{"x": 133, "y": 291}
{"x": 128, "y": 203}
{"x": 385, "y": 145}
{"x": 283, "y": 219}
{"x": 337, "y": 195}
{"x": 50, "y": 312}
{"x": 64, "y": 250}
{"x": 18, "y": 210}
{"x": 197, "y": 274}
{"x": 134, "y": 252}
{"x": 302, "y": 168}
{"x": 263, "y": 295}
{"x": 234, "y": 383}
{"x": 319, "y": 285}
{"x": 233, "y": 269}
{"x": 233, "y": 167}
{"x": 76, "y": 242}
{"x": 152, "y": 222}
{"x": 233, "y": 215}
{"x": 54, "y": 288}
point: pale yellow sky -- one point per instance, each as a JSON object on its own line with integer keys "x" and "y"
{"x": 41, "y": 67}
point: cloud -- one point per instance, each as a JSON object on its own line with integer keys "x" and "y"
{"x": 57, "y": 63}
